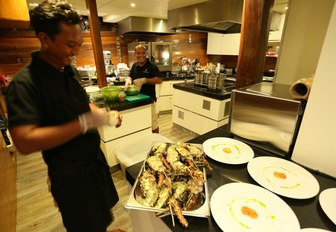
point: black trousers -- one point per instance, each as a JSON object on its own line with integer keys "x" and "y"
{"x": 85, "y": 196}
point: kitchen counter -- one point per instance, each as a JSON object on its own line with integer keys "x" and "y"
{"x": 120, "y": 106}
{"x": 200, "y": 109}
{"x": 131, "y": 127}
{"x": 177, "y": 78}
{"x": 308, "y": 211}
{"x": 164, "y": 78}
{"x": 204, "y": 91}
{"x": 264, "y": 79}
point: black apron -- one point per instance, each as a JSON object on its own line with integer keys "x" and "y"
{"x": 85, "y": 194}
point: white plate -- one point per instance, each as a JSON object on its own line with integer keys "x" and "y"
{"x": 92, "y": 89}
{"x": 237, "y": 153}
{"x": 313, "y": 230}
{"x": 283, "y": 177}
{"x": 273, "y": 214}
{"x": 327, "y": 200}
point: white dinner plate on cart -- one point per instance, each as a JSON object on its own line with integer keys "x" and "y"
{"x": 243, "y": 207}
{"x": 283, "y": 177}
{"x": 227, "y": 150}
{"x": 327, "y": 201}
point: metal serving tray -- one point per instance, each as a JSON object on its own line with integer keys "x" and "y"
{"x": 202, "y": 211}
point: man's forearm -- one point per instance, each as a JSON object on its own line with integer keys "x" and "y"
{"x": 30, "y": 138}
{"x": 153, "y": 81}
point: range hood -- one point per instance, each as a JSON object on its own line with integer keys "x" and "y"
{"x": 221, "y": 16}
{"x": 142, "y": 25}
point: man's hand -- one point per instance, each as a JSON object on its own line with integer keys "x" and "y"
{"x": 128, "y": 82}
{"x": 139, "y": 82}
{"x": 99, "y": 117}
{"x": 115, "y": 118}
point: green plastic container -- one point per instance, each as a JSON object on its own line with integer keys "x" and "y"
{"x": 110, "y": 93}
{"x": 131, "y": 91}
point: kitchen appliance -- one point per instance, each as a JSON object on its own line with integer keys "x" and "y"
{"x": 266, "y": 116}
{"x": 109, "y": 68}
{"x": 220, "y": 16}
{"x": 135, "y": 25}
{"x": 160, "y": 53}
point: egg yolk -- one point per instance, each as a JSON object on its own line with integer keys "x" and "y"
{"x": 227, "y": 150}
{"x": 249, "y": 212}
{"x": 279, "y": 175}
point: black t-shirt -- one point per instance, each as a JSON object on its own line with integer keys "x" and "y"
{"x": 42, "y": 95}
{"x": 149, "y": 70}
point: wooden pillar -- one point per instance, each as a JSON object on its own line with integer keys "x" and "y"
{"x": 96, "y": 42}
{"x": 253, "y": 41}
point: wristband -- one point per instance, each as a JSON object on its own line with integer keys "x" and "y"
{"x": 82, "y": 123}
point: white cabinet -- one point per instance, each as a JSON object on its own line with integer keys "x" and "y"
{"x": 164, "y": 93}
{"x": 198, "y": 113}
{"x": 223, "y": 44}
{"x": 228, "y": 44}
{"x": 275, "y": 35}
{"x": 136, "y": 123}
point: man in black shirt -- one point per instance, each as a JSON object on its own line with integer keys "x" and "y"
{"x": 49, "y": 110}
{"x": 145, "y": 75}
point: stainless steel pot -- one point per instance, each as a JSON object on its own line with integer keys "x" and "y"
{"x": 199, "y": 78}
{"x": 205, "y": 78}
{"x": 212, "y": 81}
{"x": 220, "y": 81}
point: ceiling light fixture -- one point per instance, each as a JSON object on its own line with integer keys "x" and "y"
{"x": 132, "y": 4}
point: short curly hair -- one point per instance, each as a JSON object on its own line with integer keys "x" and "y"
{"x": 48, "y": 16}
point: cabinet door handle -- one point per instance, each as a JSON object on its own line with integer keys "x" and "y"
{"x": 180, "y": 115}
{"x": 206, "y": 105}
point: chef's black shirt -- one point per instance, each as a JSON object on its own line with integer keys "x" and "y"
{"x": 42, "y": 95}
{"x": 149, "y": 70}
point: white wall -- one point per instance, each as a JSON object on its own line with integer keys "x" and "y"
{"x": 275, "y": 36}
{"x": 316, "y": 144}
{"x": 304, "y": 31}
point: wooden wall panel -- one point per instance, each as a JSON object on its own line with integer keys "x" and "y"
{"x": 191, "y": 45}
{"x": 16, "y": 46}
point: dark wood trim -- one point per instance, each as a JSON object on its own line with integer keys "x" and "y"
{"x": 96, "y": 42}
{"x": 253, "y": 41}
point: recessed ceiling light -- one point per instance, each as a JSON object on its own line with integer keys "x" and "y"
{"x": 132, "y": 4}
